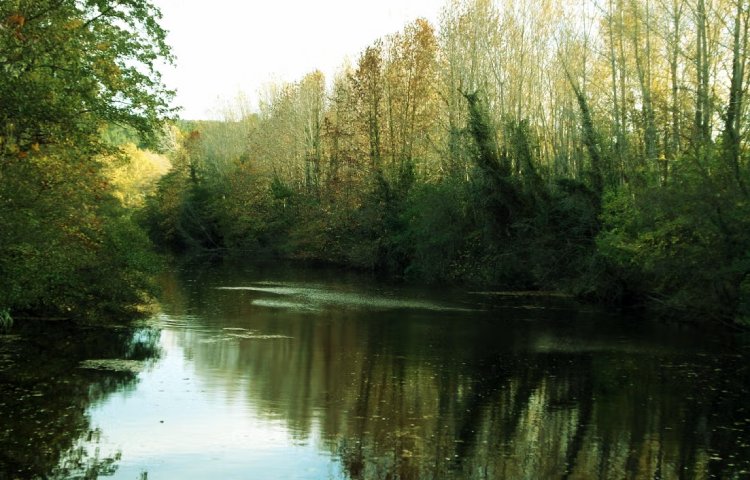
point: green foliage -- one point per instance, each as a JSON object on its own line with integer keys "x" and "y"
{"x": 180, "y": 216}
{"x": 6, "y": 321}
{"x": 72, "y": 70}
{"x": 681, "y": 246}
{"x": 162, "y": 212}
{"x": 72, "y": 246}
{"x": 430, "y": 166}
{"x": 436, "y": 230}
{"x": 499, "y": 228}
{"x": 125, "y": 279}
{"x": 488, "y": 156}
{"x": 236, "y": 211}
{"x": 120, "y": 135}
{"x": 196, "y": 224}
{"x": 684, "y": 246}
{"x": 72, "y": 66}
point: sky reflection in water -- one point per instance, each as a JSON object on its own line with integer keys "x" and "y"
{"x": 179, "y": 425}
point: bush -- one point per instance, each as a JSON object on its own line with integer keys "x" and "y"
{"x": 682, "y": 247}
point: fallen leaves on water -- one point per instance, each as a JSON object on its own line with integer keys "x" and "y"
{"x": 114, "y": 365}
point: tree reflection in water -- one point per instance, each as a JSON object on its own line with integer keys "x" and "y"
{"x": 377, "y": 388}
{"x": 398, "y": 393}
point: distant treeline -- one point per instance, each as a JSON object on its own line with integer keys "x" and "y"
{"x": 596, "y": 149}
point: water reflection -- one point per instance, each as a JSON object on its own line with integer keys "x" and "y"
{"x": 45, "y": 396}
{"x": 377, "y": 384}
{"x": 268, "y": 373}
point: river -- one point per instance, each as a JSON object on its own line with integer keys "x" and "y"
{"x": 278, "y": 372}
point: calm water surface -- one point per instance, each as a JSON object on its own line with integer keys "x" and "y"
{"x": 273, "y": 373}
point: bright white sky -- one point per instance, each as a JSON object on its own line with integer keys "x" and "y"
{"x": 225, "y": 47}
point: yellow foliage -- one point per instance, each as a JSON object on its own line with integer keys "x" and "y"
{"x": 136, "y": 178}
{"x": 73, "y": 24}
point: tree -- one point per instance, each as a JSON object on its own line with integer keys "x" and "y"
{"x": 70, "y": 68}
{"x": 343, "y": 140}
{"x": 312, "y": 91}
{"x": 469, "y": 40}
{"x": 582, "y": 144}
{"x": 732, "y": 134}
{"x": 410, "y": 83}
{"x": 368, "y": 82}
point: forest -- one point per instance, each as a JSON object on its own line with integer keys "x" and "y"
{"x": 597, "y": 149}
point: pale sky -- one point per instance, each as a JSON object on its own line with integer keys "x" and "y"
{"x": 225, "y": 47}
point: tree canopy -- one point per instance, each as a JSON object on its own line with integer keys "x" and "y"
{"x": 71, "y": 69}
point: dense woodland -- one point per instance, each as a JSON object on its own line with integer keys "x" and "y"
{"x": 597, "y": 148}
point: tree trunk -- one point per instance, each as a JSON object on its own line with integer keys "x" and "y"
{"x": 734, "y": 107}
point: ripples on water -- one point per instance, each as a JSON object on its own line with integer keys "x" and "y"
{"x": 318, "y": 298}
{"x": 268, "y": 375}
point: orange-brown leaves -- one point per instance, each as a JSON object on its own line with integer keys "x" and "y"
{"x": 16, "y": 23}
{"x": 16, "y": 20}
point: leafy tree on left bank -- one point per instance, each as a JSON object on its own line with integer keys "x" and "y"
{"x": 70, "y": 69}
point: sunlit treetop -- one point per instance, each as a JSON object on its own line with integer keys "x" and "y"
{"x": 68, "y": 67}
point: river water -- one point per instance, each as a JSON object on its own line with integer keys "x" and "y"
{"x": 289, "y": 373}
